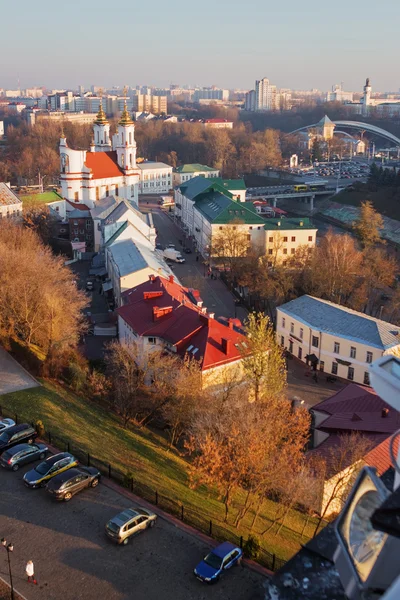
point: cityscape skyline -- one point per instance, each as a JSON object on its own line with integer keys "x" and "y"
{"x": 298, "y": 46}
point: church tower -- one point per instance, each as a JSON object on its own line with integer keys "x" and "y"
{"x": 124, "y": 141}
{"x": 101, "y": 130}
{"x": 366, "y": 102}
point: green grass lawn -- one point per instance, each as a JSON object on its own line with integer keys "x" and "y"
{"x": 145, "y": 454}
{"x": 44, "y": 198}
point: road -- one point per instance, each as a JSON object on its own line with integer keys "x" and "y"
{"x": 13, "y": 377}
{"x": 216, "y": 296}
{"x": 74, "y": 560}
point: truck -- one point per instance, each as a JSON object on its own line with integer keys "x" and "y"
{"x": 174, "y": 255}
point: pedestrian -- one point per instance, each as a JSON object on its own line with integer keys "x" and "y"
{"x": 197, "y": 258}
{"x": 30, "y": 572}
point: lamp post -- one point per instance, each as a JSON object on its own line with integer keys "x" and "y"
{"x": 9, "y": 547}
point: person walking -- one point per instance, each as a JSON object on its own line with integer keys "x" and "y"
{"x": 30, "y": 571}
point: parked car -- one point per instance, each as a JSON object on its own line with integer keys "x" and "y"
{"x": 187, "y": 251}
{"x": 159, "y": 246}
{"x": 89, "y": 286}
{"x": 17, "y": 434}
{"x": 171, "y": 245}
{"x": 220, "y": 559}
{"x": 67, "y": 484}
{"x": 49, "y": 468}
{"x": 129, "y": 522}
{"x": 23, "y": 454}
{"x": 6, "y": 423}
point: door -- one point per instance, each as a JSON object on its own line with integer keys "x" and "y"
{"x": 141, "y": 523}
{"x": 291, "y": 347}
{"x": 26, "y": 455}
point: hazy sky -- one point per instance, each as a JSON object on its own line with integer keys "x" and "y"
{"x": 230, "y": 44}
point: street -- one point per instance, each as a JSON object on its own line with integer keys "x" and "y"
{"x": 217, "y": 298}
{"x": 74, "y": 559}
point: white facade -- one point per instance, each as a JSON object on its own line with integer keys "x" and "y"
{"x": 191, "y": 171}
{"x": 281, "y": 243}
{"x": 155, "y": 177}
{"x": 1, "y": 129}
{"x": 10, "y": 204}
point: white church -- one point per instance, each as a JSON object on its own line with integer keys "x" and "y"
{"x": 108, "y": 169}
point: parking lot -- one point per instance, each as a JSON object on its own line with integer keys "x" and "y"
{"x": 73, "y": 558}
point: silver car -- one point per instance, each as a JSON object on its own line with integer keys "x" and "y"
{"x": 6, "y": 423}
{"x": 129, "y": 522}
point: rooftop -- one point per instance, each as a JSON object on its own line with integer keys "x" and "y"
{"x": 153, "y": 165}
{"x": 7, "y": 196}
{"x": 184, "y": 326}
{"x": 132, "y": 256}
{"x": 335, "y": 319}
{"x": 219, "y": 209}
{"x": 44, "y": 198}
{"x": 200, "y": 184}
{"x": 194, "y": 168}
{"x": 103, "y": 165}
{"x": 288, "y": 223}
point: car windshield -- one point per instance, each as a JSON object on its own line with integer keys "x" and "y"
{"x": 113, "y": 527}
{"x": 42, "y": 468}
{"x": 213, "y": 560}
{"x": 4, "y": 437}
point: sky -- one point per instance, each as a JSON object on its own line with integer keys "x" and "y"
{"x": 296, "y": 44}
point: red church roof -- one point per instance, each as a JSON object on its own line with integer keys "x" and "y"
{"x": 103, "y": 164}
{"x": 164, "y": 309}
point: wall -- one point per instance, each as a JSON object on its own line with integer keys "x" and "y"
{"x": 155, "y": 181}
{"x": 279, "y": 250}
{"x": 325, "y": 350}
{"x": 179, "y": 178}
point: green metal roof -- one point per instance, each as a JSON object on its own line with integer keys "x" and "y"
{"x": 286, "y": 223}
{"x": 219, "y": 209}
{"x": 232, "y": 184}
{"x": 193, "y": 168}
{"x": 198, "y": 185}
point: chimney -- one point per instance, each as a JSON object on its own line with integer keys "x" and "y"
{"x": 211, "y": 315}
{"x": 158, "y": 312}
{"x": 230, "y": 323}
{"x": 226, "y": 346}
{"x": 385, "y": 413}
{"x": 171, "y": 279}
{"x": 151, "y": 278}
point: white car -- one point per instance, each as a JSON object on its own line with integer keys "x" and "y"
{"x": 6, "y": 423}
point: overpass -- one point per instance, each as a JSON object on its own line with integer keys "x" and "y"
{"x": 360, "y": 126}
{"x": 282, "y": 193}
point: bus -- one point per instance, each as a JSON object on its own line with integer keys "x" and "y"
{"x": 300, "y": 188}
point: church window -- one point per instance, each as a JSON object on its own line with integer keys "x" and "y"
{"x": 132, "y": 190}
{"x": 131, "y": 159}
{"x": 97, "y": 193}
{"x": 76, "y": 196}
{"x": 116, "y": 189}
{"x": 98, "y": 137}
{"x": 122, "y": 136}
{"x": 107, "y": 191}
{"x": 122, "y": 160}
{"x": 130, "y": 140}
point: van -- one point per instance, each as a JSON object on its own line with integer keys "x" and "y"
{"x": 18, "y": 434}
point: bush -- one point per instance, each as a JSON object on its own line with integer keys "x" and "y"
{"x": 30, "y": 357}
{"x": 252, "y": 547}
{"x": 40, "y": 428}
{"x": 128, "y": 477}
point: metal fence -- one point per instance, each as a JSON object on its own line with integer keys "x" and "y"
{"x": 188, "y": 515}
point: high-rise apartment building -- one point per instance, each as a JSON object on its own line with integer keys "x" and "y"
{"x": 212, "y": 93}
{"x": 149, "y": 103}
{"x": 265, "y": 96}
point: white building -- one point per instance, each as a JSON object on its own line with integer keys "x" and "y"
{"x": 1, "y": 129}
{"x": 186, "y": 172}
{"x": 339, "y": 95}
{"x": 155, "y": 177}
{"x": 107, "y": 169}
{"x": 218, "y": 124}
{"x": 211, "y": 94}
{"x": 10, "y": 204}
{"x": 339, "y": 340}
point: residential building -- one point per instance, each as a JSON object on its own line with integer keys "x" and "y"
{"x": 212, "y": 93}
{"x": 250, "y": 101}
{"x": 107, "y": 169}
{"x": 10, "y": 204}
{"x": 162, "y": 314}
{"x": 339, "y": 95}
{"x": 218, "y": 124}
{"x": 60, "y": 116}
{"x": 81, "y": 232}
{"x": 352, "y": 409}
{"x": 186, "y": 172}
{"x": 285, "y": 236}
{"x": 1, "y": 129}
{"x": 155, "y": 177}
{"x": 16, "y": 107}
{"x": 338, "y": 340}
{"x": 131, "y": 259}
{"x": 149, "y": 103}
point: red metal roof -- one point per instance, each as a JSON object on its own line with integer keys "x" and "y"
{"x": 379, "y": 456}
{"x": 77, "y": 205}
{"x": 185, "y": 326}
{"x": 103, "y": 164}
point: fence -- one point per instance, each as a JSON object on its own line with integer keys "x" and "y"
{"x": 217, "y": 530}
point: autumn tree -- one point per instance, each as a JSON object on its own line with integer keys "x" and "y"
{"x": 230, "y": 245}
{"x": 369, "y": 224}
{"x": 262, "y": 359}
{"x": 343, "y": 463}
{"x": 38, "y": 217}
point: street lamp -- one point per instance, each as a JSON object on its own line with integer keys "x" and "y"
{"x": 9, "y": 547}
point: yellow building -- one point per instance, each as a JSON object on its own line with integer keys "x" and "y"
{"x": 285, "y": 236}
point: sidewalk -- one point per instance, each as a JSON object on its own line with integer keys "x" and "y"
{"x": 304, "y": 388}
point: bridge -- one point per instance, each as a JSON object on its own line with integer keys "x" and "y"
{"x": 276, "y": 193}
{"x": 360, "y": 126}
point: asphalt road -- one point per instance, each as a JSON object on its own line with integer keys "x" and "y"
{"x": 74, "y": 560}
{"x": 214, "y": 293}
{"x": 13, "y": 377}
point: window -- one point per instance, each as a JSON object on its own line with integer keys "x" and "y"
{"x": 350, "y": 374}
{"x": 369, "y": 357}
{"x": 310, "y": 238}
{"x": 300, "y": 353}
{"x": 97, "y": 193}
{"x": 269, "y": 263}
{"x": 270, "y": 240}
{"x": 88, "y": 223}
{"x": 285, "y": 251}
{"x": 291, "y": 327}
{"x": 301, "y": 333}
{"x": 321, "y": 365}
{"x": 107, "y": 191}
{"x": 290, "y": 346}
{"x": 116, "y": 189}
{"x": 315, "y": 341}
{"x": 270, "y": 251}
{"x": 152, "y": 340}
{"x": 366, "y": 378}
{"x": 250, "y": 228}
{"x": 284, "y": 262}
{"x": 336, "y": 347}
{"x": 292, "y": 250}
{"x": 220, "y": 228}
{"x": 352, "y": 352}
{"x": 283, "y": 322}
{"x": 282, "y": 340}
{"x": 76, "y": 197}
{"x": 293, "y": 238}
{"x": 334, "y": 368}
{"x": 285, "y": 239}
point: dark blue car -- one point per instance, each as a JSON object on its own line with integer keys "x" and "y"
{"x": 221, "y": 558}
